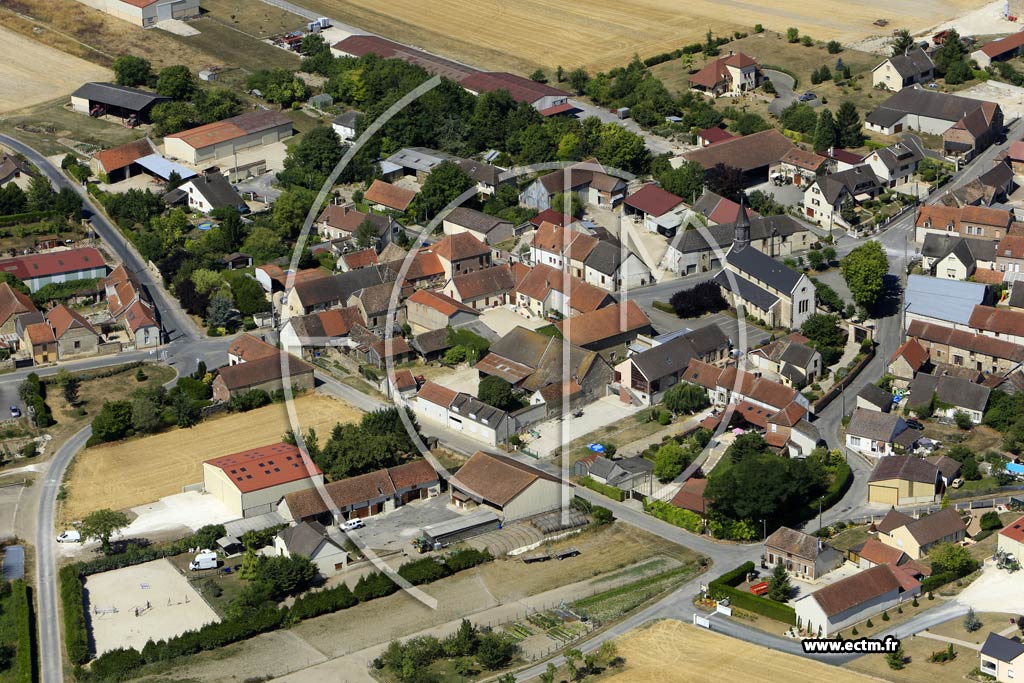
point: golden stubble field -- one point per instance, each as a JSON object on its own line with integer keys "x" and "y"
{"x": 674, "y": 652}
{"x": 600, "y": 34}
{"x": 139, "y": 471}
{"x": 32, "y": 72}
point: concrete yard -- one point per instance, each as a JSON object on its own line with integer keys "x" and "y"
{"x": 554, "y": 433}
{"x": 395, "y": 529}
{"x": 466, "y": 379}
{"x": 118, "y": 601}
{"x": 1009, "y": 97}
{"x": 503, "y": 321}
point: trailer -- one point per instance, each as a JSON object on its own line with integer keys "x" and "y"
{"x": 571, "y": 551}
{"x": 537, "y": 557}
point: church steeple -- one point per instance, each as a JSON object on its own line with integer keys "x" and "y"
{"x": 742, "y": 238}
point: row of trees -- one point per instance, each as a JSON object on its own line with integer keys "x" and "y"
{"x": 842, "y": 129}
{"x": 472, "y": 649}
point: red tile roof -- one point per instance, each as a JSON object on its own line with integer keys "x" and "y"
{"x": 653, "y": 200}
{"x": 391, "y": 196}
{"x": 1001, "y": 320}
{"x": 440, "y": 302}
{"x": 714, "y": 135}
{"x": 460, "y": 246}
{"x": 1016, "y": 151}
{"x": 140, "y": 315}
{"x": 40, "y": 333}
{"x": 603, "y": 323}
{"x": 361, "y": 258}
{"x": 1011, "y": 246}
{"x": 691, "y": 496}
{"x": 53, "y": 263}
{"x": 230, "y": 129}
{"x": 61, "y": 318}
{"x": 988, "y": 276}
{"x": 13, "y": 303}
{"x": 496, "y": 479}
{"x": 754, "y": 414}
{"x": 249, "y": 348}
{"x": 876, "y": 552}
{"x": 1004, "y": 45}
{"x": 437, "y": 394}
{"x": 857, "y": 590}
{"x": 716, "y": 72}
{"x": 119, "y": 157}
{"x": 261, "y": 468}
{"x": 1014, "y": 531}
{"x": 552, "y": 216}
{"x": 913, "y": 352}
{"x": 521, "y": 89}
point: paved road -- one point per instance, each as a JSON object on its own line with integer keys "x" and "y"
{"x": 784, "y": 90}
{"x": 981, "y": 163}
{"x": 173, "y": 321}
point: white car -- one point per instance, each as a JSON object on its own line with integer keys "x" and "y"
{"x": 352, "y": 524}
{"x": 70, "y": 536}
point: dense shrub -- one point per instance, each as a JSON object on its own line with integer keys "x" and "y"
{"x": 323, "y": 602}
{"x": 723, "y": 586}
{"x": 423, "y": 571}
{"x": 603, "y": 489}
{"x": 673, "y": 515}
{"x": 466, "y": 558}
{"x": 25, "y": 655}
{"x": 72, "y": 598}
{"x": 250, "y": 400}
{"x": 374, "y": 585}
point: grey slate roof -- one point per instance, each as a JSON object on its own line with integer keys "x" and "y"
{"x": 876, "y": 397}
{"x": 673, "y": 356}
{"x": 420, "y": 158}
{"x": 761, "y": 227}
{"x": 900, "y": 154}
{"x": 119, "y": 96}
{"x": 956, "y": 391}
{"x": 481, "y": 172}
{"x": 874, "y": 425}
{"x": 219, "y": 193}
{"x": 1017, "y": 297}
{"x": 999, "y": 176}
{"x": 914, "y": 62}
{"x": 797, "y": 354}
{"x": 1002, "y": 648}
{"x": 906, "y": 468}
{"x": 857, "y": 180}
{"x": 708, "y": 338}
{"x": 348, "y": 119}
{"x": 604, "y": 258}
{"x": 432, "y": 341}
{"x": 471, "y": 219}
{"x": 792, "y": 541}
{"x": 305, "y": 537}
{"x": 471, "y": 408}
{"x": 969, "y": 251}
{"x": 340, "y": 287}
{"x": 922, "y": 102}
{"x": 747, "y": 290}
{"x": 764, "y": 268}
{"x": 949, "y": 300}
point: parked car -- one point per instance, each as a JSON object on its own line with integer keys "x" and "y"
{"x": 956, "y": 483}
{"x": 808, "y": 96}
{"x": 352, "y": 524}
{"x": 914, "y": 424}
{"x": 15, "y": 411}
{"x": 69, "y": 536}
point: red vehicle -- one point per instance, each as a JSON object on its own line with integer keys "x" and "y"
{"x": 759, "y": 588}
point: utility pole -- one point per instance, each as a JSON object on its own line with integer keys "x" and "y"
{"x": 820, "y": 500}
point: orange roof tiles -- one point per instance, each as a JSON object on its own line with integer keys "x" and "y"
{"x": 118, "y": 157}
{"x": 440, "y": 302}
{"x": 40, "y": 333}
{"x": 361, "y": 258}
{"x": 62, "y": 318}
{"x": 13, "y": 302}
{"x": 603, "y": 323}
{"x": 913, "y": 352}
{"x": 230, "y": 129}
{"x": 460, "y": 246}
{"x": 1014, "y": 531}
{"x": 391, "y": 196}
{"x": 437, "y": 394}
{"x": 261, "y": 468}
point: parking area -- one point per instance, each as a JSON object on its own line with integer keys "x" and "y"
{"x": 10, "y": 497}
{"x": 996, "y": 590}
{"x": 393, "y": 530}
{"x": 787, "y": 195}
{"x": 502, "y": 320}
{"x": 150, "y": 601}
{"x": 1009, "y": 97}
{"x": 555, "y": 432}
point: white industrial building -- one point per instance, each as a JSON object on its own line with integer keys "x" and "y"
{"x": 222, "y": 139}
{"x": 146, "y": 12}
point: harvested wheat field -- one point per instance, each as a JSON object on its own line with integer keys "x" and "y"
{"x": 519, "y": 36}
{"x": 674, "y": 652}
{"x": 139, "y": 471}
{"x": 32, "y": 72}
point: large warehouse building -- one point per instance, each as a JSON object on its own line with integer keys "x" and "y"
{"x": 253, "y": 482}
{"x": 39, "y": 270}
{"x": 222, "y": 139}
{"x": 146, "y": 12}
{"x": 115, "y": 100}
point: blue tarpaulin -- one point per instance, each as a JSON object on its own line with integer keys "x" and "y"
{"x": 596, "y": 447}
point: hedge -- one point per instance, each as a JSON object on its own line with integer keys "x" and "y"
{"x": 936, "y": 581}
{"x": 27, "y": 217}
{"x": 724, "y": 586}
{"x": 72, "y": 598}
{"x": 323, "y": 602}
{"x": 836, "y": 489}
{"x": 679, "y": 517}
{"x": 26, "y": 657}
{"x": 603, "y": 489}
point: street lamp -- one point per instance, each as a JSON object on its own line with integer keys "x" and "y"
{"x": 764, "y": 531}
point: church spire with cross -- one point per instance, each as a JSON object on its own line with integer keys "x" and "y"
{"x": 742, "y": 238}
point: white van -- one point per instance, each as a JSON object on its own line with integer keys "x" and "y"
{"x": 204, "y": 560}
{"x": 69, "y": 536}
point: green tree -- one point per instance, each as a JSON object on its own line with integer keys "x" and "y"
{"x": 216, "y": 104}
{"x": 779, "y": 586}
{"x": 896, "y": 659}
{"x": 366, "y": 234}
{"x": 686, "y": 398}
{"x": 100, "y": 525}
{"x": 687, "y": 181}
{"x": 578, "y": 79}
{"x": 792, "y": 34}
{"x": 825, "y": 134}
{"x": 308, "y": 163}
{"x": 145, "y": 415}
{"x": 848, "y": 125}
{"x": 990, "y": 521}
{"x": 746, "y": 447}
{"x": 538, "y": 76}
{"x": 221, "y": 312}
{"x": 186, "y": 412}
{"x": 290, "y": 211}
{"x": 40, "y": 194}
{"x": 113, "y": 421}
{"x": 171, "y": 117}
{"x": 495, "y": 651}
{"x": 958, "y": 72}
{"x": 971, "y": 621}
{"x": 497, "y": 392}
{"x": 263, "y": 244}
{"x": 130, "y": 70}
{"x": 800, "y": 117}
{"x": 864, "y": 270}
{"x": 952, "y": 558}
{"x": 748, "y": 123}
{"x": 621, "y": 148}
{"x": 445, "y": 182}
{"x": 176, "y": 82}
{"x": 834, "y": 47}
{"x": 248, "y": 296}
{"x": 575, "y": 207}
{"x": 901, "y": 42}
{"x": 826, "y": 335}
{"x": 950, "y": 52}
{"x": 670, "y": 461}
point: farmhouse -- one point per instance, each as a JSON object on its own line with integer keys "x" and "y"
{"x": 691, "y": 496}
{"x": 825, "y": 197}
{"x": 957, "y": 258}
{"x": 340, "y": 222}
{"x": 384, "y": 196}
{"x": 713, "y": 135}
{"x": 910, "y": 358}
{"x": 587, "y": 180}
{"x": 1010, "y": 256}
{"x": 482, "y": 289}
{"x": 764, "y": 397}
{"x": 1000, "y": 656}
{"x": 1000, "y": 323}
{"x": 954, "y": 395}
{"x": 644, "y": 377}
{"x": 698, "y": 251}
{"x": 128, "y": 304}
{"x": 902, "y": 71}
{"x": 223, "y": 139}
{"x": 127, "y": 104}
{"x": 733, "y": 74}
{"x": 999, "y": 50}
{"x": 962, "y": 348}
{"x": 427, "y": 310}
{"x": 613, "y": 267}
{"x": 753, "y": 154}
{"x": 461, "y": 412}
{"x": 211, "y": 191}
{"x": 345, "y": 125}
{"x": 804, "y": 556}
{"x": 117, "y": 163}
{"x": 916, "y": 537}
{"x": 264, "y": 373}
{"x": 872, "y": 397}
{"x": 74, "y": 334}
{"x": 486, "y": 228}
{"x": 896, "y": 163}
{"x": 850, "y": 600}
{"x": 764, "y": 287}
{"x": 506, "y": 486}
{"x": 875, "y": 433}
{"x": 311, "y": 540}
{"x": 873, "y": 552}
{"x": 39, "y": 270}
{"x": 38, "y": 340}
{"x": 801, "y": 166}
{"x": 649, "y": 203}
{"x": 146, "y": 13}
{"x": 1011, "y": 539}
{"x": 462, "y": 253}
{"x": 309, "y": 335}
{"x": 903, "y": 480}
{"x": 790, "y": 359}
{"x": 322, "y": 293}
{"x": 977, "y": 222}
{"x": 605, "y": 327}
{"x": 967, "y": 126}
{"x": 13, "y": 304}
{"x": 544, "y": 289}
{"x": 253, "y": 482}
{"x": 364, "y": 495}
